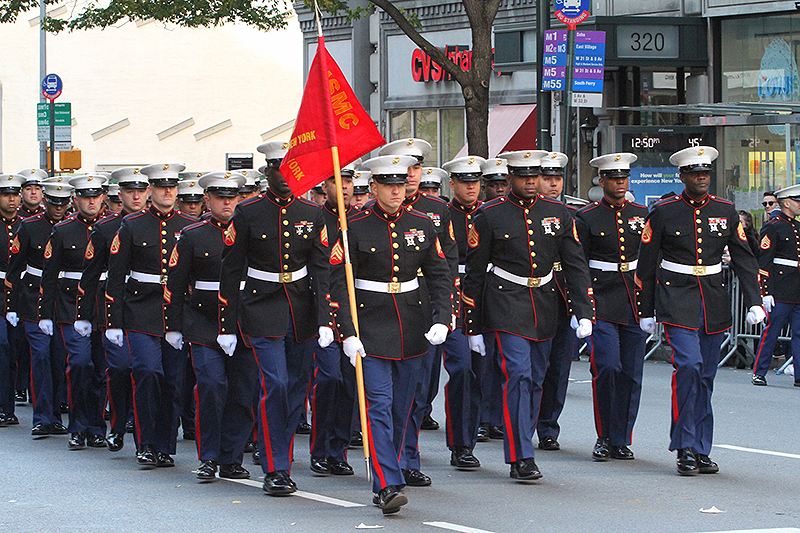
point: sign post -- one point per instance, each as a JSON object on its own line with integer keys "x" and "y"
{"x": 51, "y": 89}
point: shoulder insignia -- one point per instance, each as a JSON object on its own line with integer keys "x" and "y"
{"x": 167, "y": 295}
{"x": 439, "y": 248}
{"x": 173, "y": 259}
{"x": 115, "y": 244}
{"x": 337, "y": 254}
{"x": 109, "y": 298}
{"x": 230, "y": 235}
{"x": 637, "y": 281}
{"x": 452, "y": 233}
{"x": 223, "y": 301}
{"x": 740, "y": 231}
{"x": 15, "y": 245}
{"x": 473, "y": 239}
{"x": 467, "y": 300}
{"x": 765, "y": 242}
{"x": 647, "y": 234}
{"x": 89, "y": 251}
{"x": 323, "y": 235}
{"x": 575, "y": 234}
{"x": 48, "y": 250}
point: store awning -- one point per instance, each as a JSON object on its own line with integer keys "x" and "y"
{"x": 511, "y": 127}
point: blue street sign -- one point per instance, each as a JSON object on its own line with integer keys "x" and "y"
{"x": 51, "y": 86}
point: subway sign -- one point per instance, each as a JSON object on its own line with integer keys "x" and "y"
{"x": 426, "y": 70}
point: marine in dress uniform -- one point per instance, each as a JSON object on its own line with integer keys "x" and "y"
{"x": 360, "y": 188}
{"x": 10, "y": 186}
{"x": 190, "y": 195}
{"x": 334, "y": 380}
{"x": 32, "y": 192}
{"x": 61, "y": 273}
{"x": 779, "y": 251}
{"x": 430, "y": 183}
{"x": 495, "y": 184}
{"x": 428, "y": 385}
{"x": 388, "y": 244}
{"x": 251, "y": 186}
{"x": 554, "y": 387}
{"x": 462, "y": 394}
{"x": 610, "y": 231}
{"x": 91, "y": 312}
{"x": 23, "y": 279}
{"x": 679, "y": 277}
{"x": 516, "y": 301}
{"x": 278, "y": 245}
{"x": 225, "y": 384}
{"x": 114, "y": 204}
{"x": 137, "y": 273}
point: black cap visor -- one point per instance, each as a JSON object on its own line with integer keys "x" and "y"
{"x": 390, "y": 179}
{"x": 524, "y": 172}
{"x": 57, "y": 200}
{"x": 615, "y": 174}
{"x": 699, "y": 167}
{"x": 472, "y": 176}
{"x": 89, "y": 193}
{"x": 223, "y": 192}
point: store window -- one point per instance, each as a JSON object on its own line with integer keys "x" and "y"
{"x": 444, "y": 128}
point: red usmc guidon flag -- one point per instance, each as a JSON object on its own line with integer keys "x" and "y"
{"x": 330, "y": 115}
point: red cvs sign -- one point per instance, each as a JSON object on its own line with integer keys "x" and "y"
{"x": 424, "y": 69}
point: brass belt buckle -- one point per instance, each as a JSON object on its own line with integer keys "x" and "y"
{"x": 285, "y": 277}
{"x": 557, "y": 266}
{"x": 534, "y": 282}
{"x": 624, "y": 267}
{"x": 163, "y": 279}
{"x": 394, "y": 287}
{"x": 699, "y": 270}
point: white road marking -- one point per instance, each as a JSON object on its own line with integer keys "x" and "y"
{"x": 302, "y": 494}
{"x": 763, "y": 452}
{"x": 456, "y": 527}
{"x": 776, "y": 530}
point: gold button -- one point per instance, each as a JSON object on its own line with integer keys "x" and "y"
{"x": 285, "y": 233}
{"x": 206, "y": 254}
{"x": 222, "y": 319}
{"x": 622, "y": 239}
{"x": 416, "y": 247}
{"x": 526, "y": 211}
{"x": 506, "y": 235}
{"x": 372, "y": 249}
{"x": 396, "y": 256}
{"x": 163, "y": 270}
{"x": 285, "y": 222}
{"x": 699, "y": 250}
{"x": 394, "y": 278}
{"x": 287, "y": 245}
{"x": 530, "y": 242}
{"x": 530, "y": 232}
{"x": 697, "y": 211}
{"x": 698, "y": 221}
{"x": 622, "y": 230}
{"x": 164, "y": 252}
{"x": 163, "y": 260}
{"x": 391, "y": 225}
{"x": 286, "y": 256}
{"x": 163, "y": 223}
{"x": 529, "y": 221}
{"x": 395, "y": 245}
{"x": 394, "y": 234}
{"x": 533, "y": 265}
{"x": 533, "y": 254}
{"x": 699, "y": 261}
{"x": 699, "y": 239}
{"x": 622, "y": 248}
{"x": 163, "y": 232}
{"x": 396, "y": 268}
{"x": 677, "y": 233}
{"x": 286, "y": 267}
{"x": 90, "y": 227}
{"x": 699, "y": 230}
{"x": 622, "y": 257}
{"x": 283, "y": 211}
{"x": 164, "y": 241}
{"x": 602, "y": 233}
{"x": 469, "y": 217}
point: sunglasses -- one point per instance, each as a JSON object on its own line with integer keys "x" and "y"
{"x": 765, "y": 204}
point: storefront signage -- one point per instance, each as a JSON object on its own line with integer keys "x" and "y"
{"x": 648, "y": 41}
{"x": 424, "y": 69}
{"x": 778, "y": 80}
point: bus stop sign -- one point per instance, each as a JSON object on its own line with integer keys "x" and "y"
{"x": 51, "y": 86}
{"x": 572, "y": 12}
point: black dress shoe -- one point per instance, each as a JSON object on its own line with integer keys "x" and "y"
{"x": 163, "y": 460}
{"x": 525, "y": 469}
{"x": 278, "y": 483}
{"x": 95, "y": 441}
{"x": 256, "y": 457}
{"x": 77, "y": 441}
{"x": 339, "y": 468}
{"x": 705, "y": 465}
{"x": 303, "y": 428}
{"x": 115, "y": 441}
{"x": 496, "y": 433}
{"x": 462, "y": 457}
{"x": 40, "y": 431}
{"x": 797, "y": 383}
{"x": 320, "y": 465}
{"x": 621, "y": 452}
{"x": 483, "y": 434}
{"x": 63, "y": 407}
{"x": 234, "y": 471}
{"x": 129, "y": 426}
{"x": 390, "y": 499}
{"x": 428, "y": 423}
{"x": 549, "y": 443}
{"x": 189, "y": 434}
{"x": 207, "y": 471}
{"x": 12, "y": 420}
{"x": 356, "y": 440}
{"x": 415, "y": 478}
{"x": 250, "y": 447}
{"x": 601, "y": 450}
{"x": 146, "y": 456}
{"x": 687, "y": 462}
{"x": 57, "y": 428}
{"x": 3, "y": 420}
{"x": 759, "y": 381}
{"x": 20, "y": 396}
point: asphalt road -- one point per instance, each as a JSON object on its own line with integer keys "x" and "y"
{"x": 46, "y": 488}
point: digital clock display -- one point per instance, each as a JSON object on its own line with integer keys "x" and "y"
{"x": 654, "y": 149}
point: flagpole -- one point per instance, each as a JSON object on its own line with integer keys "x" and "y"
{"x": 351, "y": 291}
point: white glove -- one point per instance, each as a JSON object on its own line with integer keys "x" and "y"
{"x": 115, "y": 336}
{"x": 12, "y": 318}
{"x": 755, "y": 315}
{"x": 648, "y": 325}
{"x": 584, "y": 328}
{"x": 83, "y": 327}
{"x": 476, "y": 344}
{"x": 437, "y": 334}
{"x": 352, "y": 346}
{"x": 768, "y": 302}
{"x": 227, "y": 343}
{"x": 573, "y": 322}
{"x": 325, "y": 336}
{"x": 175, "y": 339}
{"x": 46, "y": 326}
